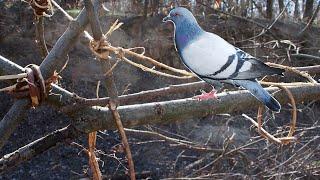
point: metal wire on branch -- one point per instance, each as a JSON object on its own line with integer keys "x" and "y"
{"x": 41, "y": 7}
{"x": 30, "y": 83}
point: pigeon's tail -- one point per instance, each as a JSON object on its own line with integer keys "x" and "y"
{"x": 261, "y": 94}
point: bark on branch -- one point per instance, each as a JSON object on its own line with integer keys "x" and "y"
{"x": 37, "y": 147}
{"x": 54, "y": 61}
{"x": 162, "y": 112}
{"x": 97, "y": 118}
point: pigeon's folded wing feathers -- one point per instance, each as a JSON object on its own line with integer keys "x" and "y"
{"x": 257, "y": 68}
{"x": 212, "y": 57}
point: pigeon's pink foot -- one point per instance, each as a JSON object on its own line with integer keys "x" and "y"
{"x": 205, "y": 96}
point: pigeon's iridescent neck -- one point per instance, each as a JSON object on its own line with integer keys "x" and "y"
{"x": 185, "y": 33}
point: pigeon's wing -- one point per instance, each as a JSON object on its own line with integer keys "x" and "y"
{"x": 211, "y": 57}
{"x": 257, "y": 68}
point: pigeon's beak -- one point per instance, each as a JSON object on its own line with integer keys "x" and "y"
{"x": 167, "y": 18}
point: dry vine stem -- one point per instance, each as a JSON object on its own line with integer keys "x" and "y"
{"x": 265, "y": 134}
{"x": 103, "y": 49}
{"x": 94, "y": 166}
{"x": 40, "y": 7}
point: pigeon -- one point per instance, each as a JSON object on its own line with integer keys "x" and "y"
{"x": 216, "y": 61}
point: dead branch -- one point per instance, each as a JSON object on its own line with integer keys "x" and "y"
{"x": 97, "y": 33}
{"x": 164, "y": 112}
{"x": 93, "y": 119}
{"x": 37, "y": 147}
{"x": 140, "y": 97}
{"x": 310, "y": 69}
{"x": 70, "y": 18}
{"x": 54, "y": 61}
{"x": 308, "y": 56}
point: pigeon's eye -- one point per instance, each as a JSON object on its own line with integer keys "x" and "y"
{"x": 175, "y": 14}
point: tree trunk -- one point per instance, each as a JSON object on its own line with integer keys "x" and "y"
{"x": 145, "y": 9}
{"x": 296, "y": 9}
{"x": 281, "y": 5}
{"x": 269, "y": 10}
{"x": 308, "y": 10}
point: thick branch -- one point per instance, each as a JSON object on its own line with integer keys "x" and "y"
{"x": 93, "y": 20}
{"x": 97, "y": 118}
{"x": 156, "y": 113}
{"x": 140, "y": 97}
{"x": 54, "y": 61}
{"x": 37, "y": 147}
{"x": 9, "y": 67}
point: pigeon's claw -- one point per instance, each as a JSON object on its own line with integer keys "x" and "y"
{"x": 205, "y": 96}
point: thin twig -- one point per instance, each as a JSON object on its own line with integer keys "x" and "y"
{"x": 94, "y": 165}
{"x": 292, "y": 69}
{"x": 178, "y": 142}
{"x": 14, "y": 76}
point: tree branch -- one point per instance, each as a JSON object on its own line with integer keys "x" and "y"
{"x": 54, "y": 61}
{"x": 37, "y": 147}
{"x": 93, "y": 119}
{"x": 140, "y": 97}
{"x": 310, "y": 69}
{"x": 308, "y": 56}
{"x": 97, "y": 118}
{"x": 111, "y": 87}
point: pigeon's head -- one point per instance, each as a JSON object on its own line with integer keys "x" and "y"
{"x": 186, "y": 27}
{"x": 180, "y": 15}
